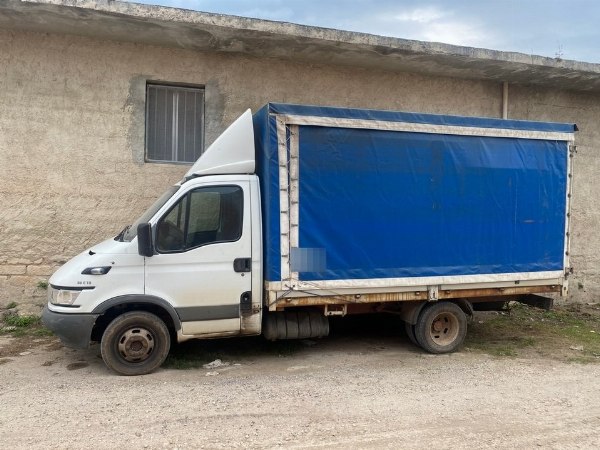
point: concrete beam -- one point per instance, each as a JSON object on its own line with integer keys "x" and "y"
{"x": 171, "y": 27}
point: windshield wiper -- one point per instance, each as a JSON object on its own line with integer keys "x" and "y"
{"x": 121, "y": 235}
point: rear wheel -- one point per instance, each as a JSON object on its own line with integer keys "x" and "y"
{"x": 135, "y": 343}
{"x": 441, "y": 327}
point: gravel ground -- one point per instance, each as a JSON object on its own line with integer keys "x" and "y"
{"x": 367, "y": 390}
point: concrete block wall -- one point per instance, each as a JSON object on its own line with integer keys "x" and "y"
{"x": 72, "y": 111}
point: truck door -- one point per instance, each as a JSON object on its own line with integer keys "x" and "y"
{"x": 203, "y": 263}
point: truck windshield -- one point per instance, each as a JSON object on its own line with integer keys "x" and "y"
{"x": 130, "y": 231}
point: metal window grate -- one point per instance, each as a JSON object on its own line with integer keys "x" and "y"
{"x": 174, "y": 123}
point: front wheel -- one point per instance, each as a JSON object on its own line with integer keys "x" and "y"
{"x": 135, "y": 343}
{"x": 441, "y": 327}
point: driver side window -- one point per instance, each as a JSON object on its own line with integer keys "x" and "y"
{"x": 203, "y": 216}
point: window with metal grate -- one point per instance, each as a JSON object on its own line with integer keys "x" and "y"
{"x": 174, "y": 123}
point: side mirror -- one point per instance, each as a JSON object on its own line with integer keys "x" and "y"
{"x": 144, "y": 235}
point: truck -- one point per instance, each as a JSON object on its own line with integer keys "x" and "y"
{"x": 299, "y": 213}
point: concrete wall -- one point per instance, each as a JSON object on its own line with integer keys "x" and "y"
{"x": 72, "y": 136}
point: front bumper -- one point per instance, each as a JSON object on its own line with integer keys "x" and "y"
{"x": 74, "y": 330}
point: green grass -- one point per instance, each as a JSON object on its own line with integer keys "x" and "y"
{"x": 42, "y": 285}
{"x": 19, "y": 332}
{"x": 43, "y": 331}
{"x": 504, "y": 350}
{"x": 20, "y": 326}
{"x": 11, "y": 305}
{"x": 15, "y": 320}
{"x": 549, "y": 333}
{"x": 502, "y": 346}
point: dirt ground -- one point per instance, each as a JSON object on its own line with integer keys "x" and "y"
{"x": 365, "y": 387}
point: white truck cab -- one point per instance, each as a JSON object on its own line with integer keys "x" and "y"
{"x": 189, "y": 267}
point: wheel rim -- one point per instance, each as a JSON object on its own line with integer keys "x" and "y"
{"x": 136, "y": 344}
{"x": 444, "y": 329}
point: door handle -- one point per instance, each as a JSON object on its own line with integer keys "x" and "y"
{"x": 242, "y": 264}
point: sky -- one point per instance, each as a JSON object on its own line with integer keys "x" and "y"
{"x": 566, "y": 29}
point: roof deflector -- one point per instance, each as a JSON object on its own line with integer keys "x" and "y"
{"x": 231, "y": 153}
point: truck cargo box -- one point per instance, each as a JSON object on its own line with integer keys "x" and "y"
{"x": 359, "y": 201}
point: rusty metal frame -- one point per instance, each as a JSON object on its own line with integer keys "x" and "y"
{"x": 323, "y": 300}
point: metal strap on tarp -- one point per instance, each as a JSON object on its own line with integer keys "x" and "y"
{"x": 424, "y": 128}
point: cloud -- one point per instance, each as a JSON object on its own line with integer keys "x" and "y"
{"x": 421, "y": 15}
{"x": 457, "y": 33}
{"x": 434, "y": 24}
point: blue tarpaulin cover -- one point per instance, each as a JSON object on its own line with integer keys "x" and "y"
{"x": 389, "y": 204}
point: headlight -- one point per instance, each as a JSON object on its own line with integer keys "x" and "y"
{"x": 102, "y": 270}
{"x": 62, "y": 297}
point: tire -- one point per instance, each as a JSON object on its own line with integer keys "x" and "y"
{"x": 291, "y": 325}
{"x": 319, "y": 324}
{"x": 410, "y": 332}
{"x": 135, "y": 343}
{"x": 304, "y": 331}
{"x": 441, "y": 327}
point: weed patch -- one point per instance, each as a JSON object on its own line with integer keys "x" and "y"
{"x": 15, "y": 320}
{"x": 42, "y": 331}
{"x": 568, "y": 333}
{"x": 17, "y": 326}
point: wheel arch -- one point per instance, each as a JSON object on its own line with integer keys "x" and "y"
{"x": 465, "y": 305}
{"x": 114, "y": 307}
